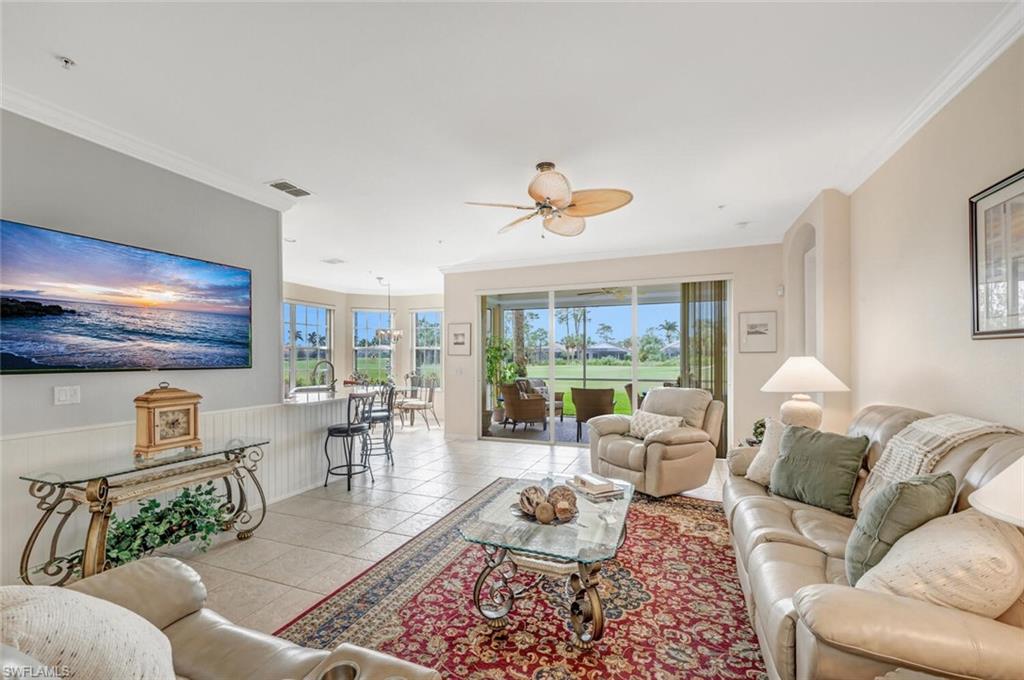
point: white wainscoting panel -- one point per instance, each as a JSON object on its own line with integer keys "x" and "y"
{"x": 293, "y": 462}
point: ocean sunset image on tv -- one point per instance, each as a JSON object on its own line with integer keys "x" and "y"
{"x": 74, "y": 303}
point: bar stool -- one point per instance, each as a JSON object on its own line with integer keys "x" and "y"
{"x": 385, "y": 415}
{"x": 357, "y": 425}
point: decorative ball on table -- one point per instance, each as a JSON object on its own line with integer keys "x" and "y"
{"x": 544, "y": 512}
{"x": 530, "y": 498}
{"x": 562, "y": 494}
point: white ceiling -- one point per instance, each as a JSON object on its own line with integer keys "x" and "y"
{"x": 393, "y": 115}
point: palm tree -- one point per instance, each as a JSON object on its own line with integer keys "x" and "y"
{"x": 670, "y": 329}
{"x": 604, "y": 332}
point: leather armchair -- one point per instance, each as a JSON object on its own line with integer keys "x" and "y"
{"x": 206, "y": 646}
{"x": 667, "y": 461}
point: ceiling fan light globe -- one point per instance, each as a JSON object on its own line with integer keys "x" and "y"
{"x": 564, "y": 225}
{"x": 550, "y": 187}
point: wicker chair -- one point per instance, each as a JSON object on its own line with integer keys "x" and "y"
{"x": 524, "y": 408}
{"x": 538, "y": 386}
{"x": 591, "y": 403}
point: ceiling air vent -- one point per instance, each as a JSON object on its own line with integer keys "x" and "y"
{"x": 289, "y": 188}
{"x": 333, "y": 260}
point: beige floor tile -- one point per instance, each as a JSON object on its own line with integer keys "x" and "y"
{"x": 292, "y": 529}
{"x": 381, "y": 547}
{"x": 281, "y": 610}
{"x": 462, "y": 493}
{"x": 416, "y": 473}
{"x": 343, "y": 540}
{"x": 243, "y": 555}
{"x": 441, "y": 507}
{"x": 413, "y": 526}
{"x": 294, "y": 566}
{"x": 340, "y": 572}
{"x": 434, "y": 489}
{"x": 213, "y": 577}
{"x": 381, "y": 519}
{"x": 243, "y": 596}
{"x": 319, "y": 509}
{"x": 409, "y": 503}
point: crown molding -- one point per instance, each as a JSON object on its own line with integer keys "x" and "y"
{"x": 569, "y": 258}
{"x": 47, "y": 113}
{"x": 1000, "y": 34}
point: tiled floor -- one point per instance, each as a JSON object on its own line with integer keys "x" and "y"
{"x": 311, "y": 544}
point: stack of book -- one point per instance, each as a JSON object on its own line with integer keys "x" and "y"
{"x": 595, "y": 487}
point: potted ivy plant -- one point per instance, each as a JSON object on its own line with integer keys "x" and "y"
{"x": 499, "y": 371}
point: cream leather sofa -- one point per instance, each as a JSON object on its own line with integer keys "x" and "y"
{"x": 206, "y": 646}
{"x": 812, "y": 624}
{"x": 666, "y": 461}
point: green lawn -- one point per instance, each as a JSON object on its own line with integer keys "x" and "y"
{"x": 598, "y": 376}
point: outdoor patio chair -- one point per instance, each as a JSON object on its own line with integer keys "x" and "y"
{"x": 591, "y": 403}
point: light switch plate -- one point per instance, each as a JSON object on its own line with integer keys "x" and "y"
{"x": 67, "y": 394}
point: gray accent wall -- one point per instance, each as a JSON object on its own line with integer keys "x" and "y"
{"x": 49, "y": 178}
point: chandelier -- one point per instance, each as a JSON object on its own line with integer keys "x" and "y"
{"x": 389, "y": 335}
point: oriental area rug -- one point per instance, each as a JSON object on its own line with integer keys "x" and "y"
{"x": 672, "y": 601}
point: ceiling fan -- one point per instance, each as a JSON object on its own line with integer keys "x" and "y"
{"x": 562, "y": 208}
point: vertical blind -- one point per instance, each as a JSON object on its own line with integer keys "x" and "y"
{"x": 703, "y": 322}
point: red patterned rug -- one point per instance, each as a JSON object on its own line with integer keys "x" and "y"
{"x": 672, "y": 601}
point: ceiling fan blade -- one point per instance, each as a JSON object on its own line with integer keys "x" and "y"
{"x": 590, "y": 202}
{"x": 565, "y": 226}
{"x": 515, "y": 223}
{"x": 503, "y": 205}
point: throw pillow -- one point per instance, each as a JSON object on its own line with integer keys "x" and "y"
{"x": 818, "y": 468}
{"x": 966, "y": 560}
{"x": 893, "y": 512}
{"x": 643, "y": 423}
{"x": 90, "y": 637}
{"x": 760, "y": 469}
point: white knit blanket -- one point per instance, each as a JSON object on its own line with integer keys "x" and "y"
{"x": 918, "y": 448}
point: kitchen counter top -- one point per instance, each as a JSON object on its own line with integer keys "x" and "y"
{"x": 308, "y": 398}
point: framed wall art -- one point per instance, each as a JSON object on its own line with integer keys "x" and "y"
{"x": 460, "y": 340}
{"x": 997, "y": 259}
{"x": 758, "y": 331}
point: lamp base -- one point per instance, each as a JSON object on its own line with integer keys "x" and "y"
{"x": 800, "y": 411}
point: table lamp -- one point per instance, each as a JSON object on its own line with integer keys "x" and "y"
{"x": 1003, "y": 497}
{"x": 798, "y": 376}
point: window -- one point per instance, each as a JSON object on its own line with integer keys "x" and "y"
{"x": 426, "y": 346}
{"x": 372, "y": 358}
{"x": 308, "y": 338}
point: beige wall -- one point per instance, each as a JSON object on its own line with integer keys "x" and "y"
{"x": 911, "y": 295}
{"x": 344, "y": 303}
{"x": 756, "y": 273}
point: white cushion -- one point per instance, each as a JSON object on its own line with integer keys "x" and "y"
{"x": 760, "y": 469}
{"x": 966, "y": 560}
{"x": 643, "y": 423}
{"x": 90, "y": 637}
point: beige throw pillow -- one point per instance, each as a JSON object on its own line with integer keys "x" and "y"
{"x": 760, "y": 469}
{"x": 966, "y": 561}
{"x": 643, "y": 423}
{"x": 83, "y": 636}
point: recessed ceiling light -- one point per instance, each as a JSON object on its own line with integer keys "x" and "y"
{"x": 333, "y": 260}
{"x": 743, "y": 225}
{"x": 66, "y": 62}
{"x": 721, "y": 206}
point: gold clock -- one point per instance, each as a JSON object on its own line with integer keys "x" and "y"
{"x": 166, "y": 418}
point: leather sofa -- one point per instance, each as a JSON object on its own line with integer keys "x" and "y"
{"x": 811, "y": 624}
{"x": 206, "y": 646}
{"x": 667, "y": 461}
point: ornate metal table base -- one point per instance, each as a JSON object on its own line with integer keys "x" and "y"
{"x": 495, "y": 597}
{"x": 101, "y": 495}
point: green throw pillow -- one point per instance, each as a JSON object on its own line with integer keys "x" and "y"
{"x": 893, "y": 512}
{"x": 818, "y": 468}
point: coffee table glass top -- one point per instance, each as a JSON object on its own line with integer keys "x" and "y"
{"x": 594, "y": 535}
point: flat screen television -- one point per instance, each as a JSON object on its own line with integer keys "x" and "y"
{"x": 71, "y": 303}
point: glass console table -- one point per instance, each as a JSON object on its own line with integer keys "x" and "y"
{"x": 575, "y": 549}
{"x": 105, "y": 483}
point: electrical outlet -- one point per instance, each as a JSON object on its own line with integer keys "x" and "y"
{"x": 67, "y": 394}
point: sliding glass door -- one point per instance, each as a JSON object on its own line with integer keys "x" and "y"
{"x": 554, "y": 359}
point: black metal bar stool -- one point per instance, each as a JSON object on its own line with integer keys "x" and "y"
{"x": 357, "y": 425}
{"x": 385, "y": 416}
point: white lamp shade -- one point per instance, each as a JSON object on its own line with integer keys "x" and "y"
{"x": 804, "y": 374}
{"x": 1003, "y": 497}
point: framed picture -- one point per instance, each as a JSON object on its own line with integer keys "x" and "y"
{"x": 460, "y": 340}
{"x": 758, "y": 331}
{"x": 997, "y": 260}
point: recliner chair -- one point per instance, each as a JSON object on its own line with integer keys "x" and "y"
{"x": 667, "y": 461}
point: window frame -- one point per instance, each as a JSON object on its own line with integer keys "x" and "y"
{"x": 355, "y": 327}
{"x": 413, "y": 341}
{"x": 289, "y": 324}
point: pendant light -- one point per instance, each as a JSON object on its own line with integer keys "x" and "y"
{"x": 389, "y": 335}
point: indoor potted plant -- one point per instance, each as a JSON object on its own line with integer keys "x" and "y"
{"x": 498, "y": 372}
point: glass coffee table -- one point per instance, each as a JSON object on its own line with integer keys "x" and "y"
{"x": 576, "y": 549}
